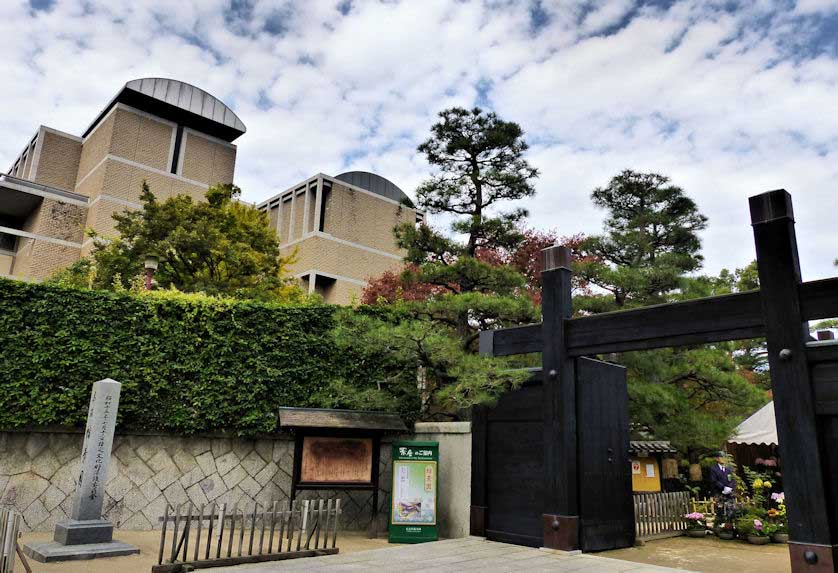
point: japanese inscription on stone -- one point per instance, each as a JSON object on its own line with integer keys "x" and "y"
{"x": 96, "y": 451}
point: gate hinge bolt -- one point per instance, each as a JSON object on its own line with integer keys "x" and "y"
{"x": 810, "y": 557}
{"x": 785, "y": 354}
{"x": 555, "y": 525}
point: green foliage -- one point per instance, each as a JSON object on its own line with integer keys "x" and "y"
{"x": 693, "y": 397}
{"x": 480, "y": 159}
{"x": 480, "y": 163}
{"x": 188, "y": 363}
{"x": 751, "y": 524}
{"x": 218, "y": 246}
{"x": 650, "y": 240}
{"x": 387, "y": 351}
{"x": 828, "y": 323}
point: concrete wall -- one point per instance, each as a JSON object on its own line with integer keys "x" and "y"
{"x": 364, "y": 218}
{"x": 6, "y": 261}
{"x": 38, "y": 473}
{"x": 58, "y": 162}
{"x": 39, "y": 259}
{"x": 454, "y": 473}
{"x": 206, "y": 159}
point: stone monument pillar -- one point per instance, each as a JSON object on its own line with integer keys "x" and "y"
{"x": 86, "y": 535}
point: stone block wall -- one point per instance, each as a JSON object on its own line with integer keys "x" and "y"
{"x": 38, "y": 473}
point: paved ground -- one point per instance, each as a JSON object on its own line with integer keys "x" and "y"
{"x": 709, "y": 555}
{"x": 148, "y": 542}
{"x": 705, "y": 555}
{"x": 466, "y": 554}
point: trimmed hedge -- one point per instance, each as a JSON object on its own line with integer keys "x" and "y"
{"x": 187, "y": 364}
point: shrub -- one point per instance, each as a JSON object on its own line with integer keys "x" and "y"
{"x": 187, "y": 363}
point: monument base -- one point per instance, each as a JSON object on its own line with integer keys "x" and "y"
{"x": 50, "y": 551}
{"x": 83, "y": 531}
{"x": 76, "y": 539}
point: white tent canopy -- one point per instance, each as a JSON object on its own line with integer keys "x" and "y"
{"x": 760, "y": 428}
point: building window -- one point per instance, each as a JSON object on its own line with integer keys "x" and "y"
{"x": 8, "y": 242}
{"x": 176, "y": 151}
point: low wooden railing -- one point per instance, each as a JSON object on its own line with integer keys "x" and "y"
{"x": 231, "y": 536}
{"x": 9, "y": 532}
{"x": 658, "y": 515}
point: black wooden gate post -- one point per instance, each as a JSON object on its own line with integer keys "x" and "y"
{"x": 813, "y": 544}
{"x": 561, "y": 511}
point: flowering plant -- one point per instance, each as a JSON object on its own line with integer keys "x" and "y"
{"x": 695, "y": 519}
{"x": 780, "y": 497}
{"x": 759, "y": 528}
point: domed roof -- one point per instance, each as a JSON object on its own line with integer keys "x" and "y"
{"x": 180, "y": 102}
{"x": 377, "y": 184}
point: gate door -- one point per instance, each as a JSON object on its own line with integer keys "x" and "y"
{"x": 515, "y": 467}
{"x": 605, "y": 498}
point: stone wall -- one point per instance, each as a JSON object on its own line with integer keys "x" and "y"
{"x": 38, "y": 473}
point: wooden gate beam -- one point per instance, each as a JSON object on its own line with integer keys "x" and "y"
{"x": 561, "y": 503}
{"x": 701, "y": 321}
{"x": 812, "y": 546}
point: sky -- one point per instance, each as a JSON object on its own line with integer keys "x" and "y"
{"x": 729, "y": 99}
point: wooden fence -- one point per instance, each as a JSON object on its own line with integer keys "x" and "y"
{"x": 9, "y": 528}
{"x": 271, "y": 532}
{"x": 705, "y": 506}
{"x": 658, "y": 515}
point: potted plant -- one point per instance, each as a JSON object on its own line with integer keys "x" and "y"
{"x": 752, "y": 528}
{"x": 697, "y": 525}
{"x": 726, "y": 531}
{"x": 778, "y": 516}
{"x": 780, "y": 534}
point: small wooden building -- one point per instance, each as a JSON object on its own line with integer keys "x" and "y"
{"x": 647, "y": 464}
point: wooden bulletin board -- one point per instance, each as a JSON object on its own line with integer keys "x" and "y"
{"x": 336, "y": 460}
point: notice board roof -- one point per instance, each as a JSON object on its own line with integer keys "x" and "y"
{"x": 340, "y": 419}
{"x": 651, "y": 446}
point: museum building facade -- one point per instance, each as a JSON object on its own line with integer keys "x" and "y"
{"x": 179, "y": 139}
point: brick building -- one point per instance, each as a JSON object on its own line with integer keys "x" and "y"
{"x": 179, "y": 138}
{"x": 340, "y": 230}
{"x": 169, "y": 133}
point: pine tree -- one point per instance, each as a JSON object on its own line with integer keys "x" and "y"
{"x": 693, "y": 396}
{"x": 650, "y": 240}
{"x": 480, "y": 164}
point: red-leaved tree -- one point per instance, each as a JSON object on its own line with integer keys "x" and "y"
{"x": 526, "y": 259}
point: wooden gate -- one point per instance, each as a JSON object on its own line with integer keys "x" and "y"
{"x": 660, "y": 514}
{"x": 804, "y": 380}
{"x": 606, "y": 519}
{"x": 509, "y": 438}
{"x": 513, "y": 449}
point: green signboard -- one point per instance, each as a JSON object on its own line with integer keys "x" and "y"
{"x": 414, "y": 504}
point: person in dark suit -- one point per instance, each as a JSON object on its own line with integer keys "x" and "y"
{"x": 721, "y": 478}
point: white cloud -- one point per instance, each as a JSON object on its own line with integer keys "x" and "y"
{"x": 729, "y": 103}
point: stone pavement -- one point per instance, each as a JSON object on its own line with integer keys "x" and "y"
{"x": 469, "y": 553}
